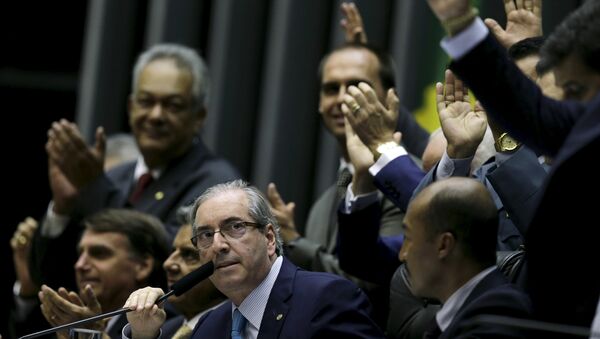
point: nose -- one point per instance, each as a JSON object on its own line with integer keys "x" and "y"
{"x": 220, "y": 243}
{"x": 157, "y": 111}
{"x": 82, "y": 262}
{"x": 341, "y": 92}
{"x": 170, "y": 265}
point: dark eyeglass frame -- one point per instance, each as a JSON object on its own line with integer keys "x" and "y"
{"x": 226, "y": 230}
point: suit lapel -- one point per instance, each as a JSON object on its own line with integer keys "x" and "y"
{"x": 277, "y": 307}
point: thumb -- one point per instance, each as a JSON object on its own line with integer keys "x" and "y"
{"x": 397, "y": 137}
{"x": 100, "y": 141}
{"x": 291, "y": 206}
{"x": 495, "y": 28}
{"x": 273, "y": 195}
{"x": 392, "y": 101}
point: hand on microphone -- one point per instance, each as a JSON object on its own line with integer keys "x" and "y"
{"x": 146, "y": 317}
{"x": 61, "y": 307}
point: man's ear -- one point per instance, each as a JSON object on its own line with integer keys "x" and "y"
{"x": 144, "y": 268}
{"x": 445, "y": 244}
{"x": 271, "y": 239}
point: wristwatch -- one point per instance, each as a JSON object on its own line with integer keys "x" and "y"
{"x": 505, "y": 143}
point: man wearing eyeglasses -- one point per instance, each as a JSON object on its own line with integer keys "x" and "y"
{"x": 167, "y": 107}
{"x": 269, "y": 296}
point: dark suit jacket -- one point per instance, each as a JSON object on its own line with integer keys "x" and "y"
{"x": 515, "y": 186}
{"x": 171, "y": 326}
{"x": 493, "y": 295}
{"x": 181, "y": 182}
{"x": 313, "y": 305}
{"x": 563, "y": 234}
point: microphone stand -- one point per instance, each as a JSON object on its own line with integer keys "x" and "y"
{"x": 91, "y": 319}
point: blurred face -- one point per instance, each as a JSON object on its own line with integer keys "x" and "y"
{"x": 577, "y": 80}
{"x": 419, "y": 251}
{"x": 342, "y": 69}
{"x": 160, "y": 113}
{"x": 105, "y": 263}
{"x": 185, "y": 259}
{"x": 240, "y": 264}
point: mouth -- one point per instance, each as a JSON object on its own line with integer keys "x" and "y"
{"x": 88, "y": 281}
{"x": 225, "y": 264}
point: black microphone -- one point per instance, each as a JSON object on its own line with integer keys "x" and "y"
{"x": 178, "y": 288}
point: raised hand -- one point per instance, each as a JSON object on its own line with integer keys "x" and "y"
{"x": 523, "y": 20}
{"x": 61, "y": 307}
{"x": 353, "y": 24}
{"x": 361, "y": 159}
{"x": 284, "y": 213}
{"x": 373, "y": 122}
{"x": 21, "y": 247}
{"x": 146, "y": 317}
{"x": 445, "y": 10}
{"x": 463, "y": 126}
{"x": 66, "y": 149}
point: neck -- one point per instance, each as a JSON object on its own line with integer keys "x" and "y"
{"x": 458, "y": 277}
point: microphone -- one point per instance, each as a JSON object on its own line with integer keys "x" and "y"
{"x": 178, "y": 288}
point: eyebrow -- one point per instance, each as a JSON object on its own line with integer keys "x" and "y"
{"x": 230, "y": 219}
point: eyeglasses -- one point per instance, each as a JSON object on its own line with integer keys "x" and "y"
{"x": 203, "y": 239}
{"x": 169, "y": 104}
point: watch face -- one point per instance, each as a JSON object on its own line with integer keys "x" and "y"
{"x": 507, "y": 143}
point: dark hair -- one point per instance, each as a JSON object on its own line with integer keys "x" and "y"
{"x": 386, "y": 63}
{"x": 525, "y": 48}
{"x": 463, "y": 207}
{"x": 578, "y": 34}
{"x": 146, "y": 235}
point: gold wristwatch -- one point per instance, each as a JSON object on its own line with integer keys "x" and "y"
{"x": 505, "y": 143}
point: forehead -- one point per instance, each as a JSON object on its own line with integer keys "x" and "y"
{"x": 183, "y": 236}
{"x": 164, "y": 77}
{"x": 107, "y": 239}
{"x": 351, "y": 63}
{"x": 224, "y": 205}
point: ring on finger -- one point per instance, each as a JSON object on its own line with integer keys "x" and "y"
{"x": 21, "y": 239}
{"x": 355, "y": 108}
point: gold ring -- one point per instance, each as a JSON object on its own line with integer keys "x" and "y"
{"x": 355, "y": 108}
{"x": 21, "y": 239}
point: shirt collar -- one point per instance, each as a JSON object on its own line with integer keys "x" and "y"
{"x": 253, "y": 307}
{"x": 141, "y": 168}
{"x": 345, "y": 164}
{"x": 446, "y": 314}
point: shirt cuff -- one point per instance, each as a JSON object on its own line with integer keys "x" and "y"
{"x": 447, "y": 167}
{"x": 54, "y": 224}
{"x": 23, "y": 306}
{"x": 385, "y": 158}
{"x": 354, "y": 203}
{"x": 462, "y": 43}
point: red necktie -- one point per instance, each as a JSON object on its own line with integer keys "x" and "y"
{"x": 142, "y": 183}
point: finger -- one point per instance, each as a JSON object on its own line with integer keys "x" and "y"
{"x": 100, "y": 141}
{"x": 528, "y": 5}
{"x": 291, "y": 207}
{"x": 537, "y": 8}
{"x": 75, "y": 299}
{"x": 439, "y": 97}
{"x": 392, "y": 101}
{"x": 51, "y": 318}
{"x": 458, "y": 89}
{"x": 358, "y": 96}
{"x": 90, "y": 299}
{"x": 519, "y": 4}
{"x": 348, "y": 129}
{"x": 494, "y": 27}
{"x": 273, "y": 195}
{"x": 449, "y": 87}
{"x": 369, "y": 93}
{"x": 75, "y": 137}
{"x": 349, "y": 117}
{"x": 397, "y": 137}
{"x": 509, "y": 6}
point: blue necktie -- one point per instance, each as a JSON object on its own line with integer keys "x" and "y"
{"x": 238, "y": 325}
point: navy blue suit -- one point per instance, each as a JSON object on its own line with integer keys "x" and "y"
{"x": 562, "y": 238}
{"x": 312, "y": 305}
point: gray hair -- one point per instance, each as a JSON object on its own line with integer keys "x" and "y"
{"x": 258, "y": 207}
{"x": 185, "y": 58}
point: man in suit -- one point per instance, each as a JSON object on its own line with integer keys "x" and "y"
{"x": 120, "y": 251}
{"x": 450, "y": 252}
{"x": 193, "y": 304}
{"x": 269, "y": 296}
{"x": 567, "y": 131}
{"x": 166, "y": 111}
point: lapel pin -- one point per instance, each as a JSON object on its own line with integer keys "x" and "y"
{"x": 279, "y": 316}
{"x": 159, "y": 195}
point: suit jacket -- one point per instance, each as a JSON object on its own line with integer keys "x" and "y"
{"x": 181, "y": 182}
{"x": 171, "y": 326}
{"x": 492, "y": 295}
{"x": 563, "y": 232}
{"x": 318, "y": 249}
{"x": 313, "y": 305}
{"x": 515, "y": 186}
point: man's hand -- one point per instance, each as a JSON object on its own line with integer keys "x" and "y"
{"x": 146, "y": 317}
{"x": 523, "y": 20}
{"x": 284, "y": 214}
{"x": 463, "y": 127}
{"x": 445, "y": 10}
{"x": 361, "y": 159}
{"x": 353, "y": 24}
{"x": 61, "y": 307}
{"x": 21, "y": 247}
{"x": 79, "y": 163}
{"x": 370, "y": 119}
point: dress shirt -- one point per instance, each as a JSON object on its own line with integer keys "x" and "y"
{"x": 446, "y": 314}
{"x": 459, "y": 45}
{"x": 448, "y": 167}
{"x": 253, "y": 306}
